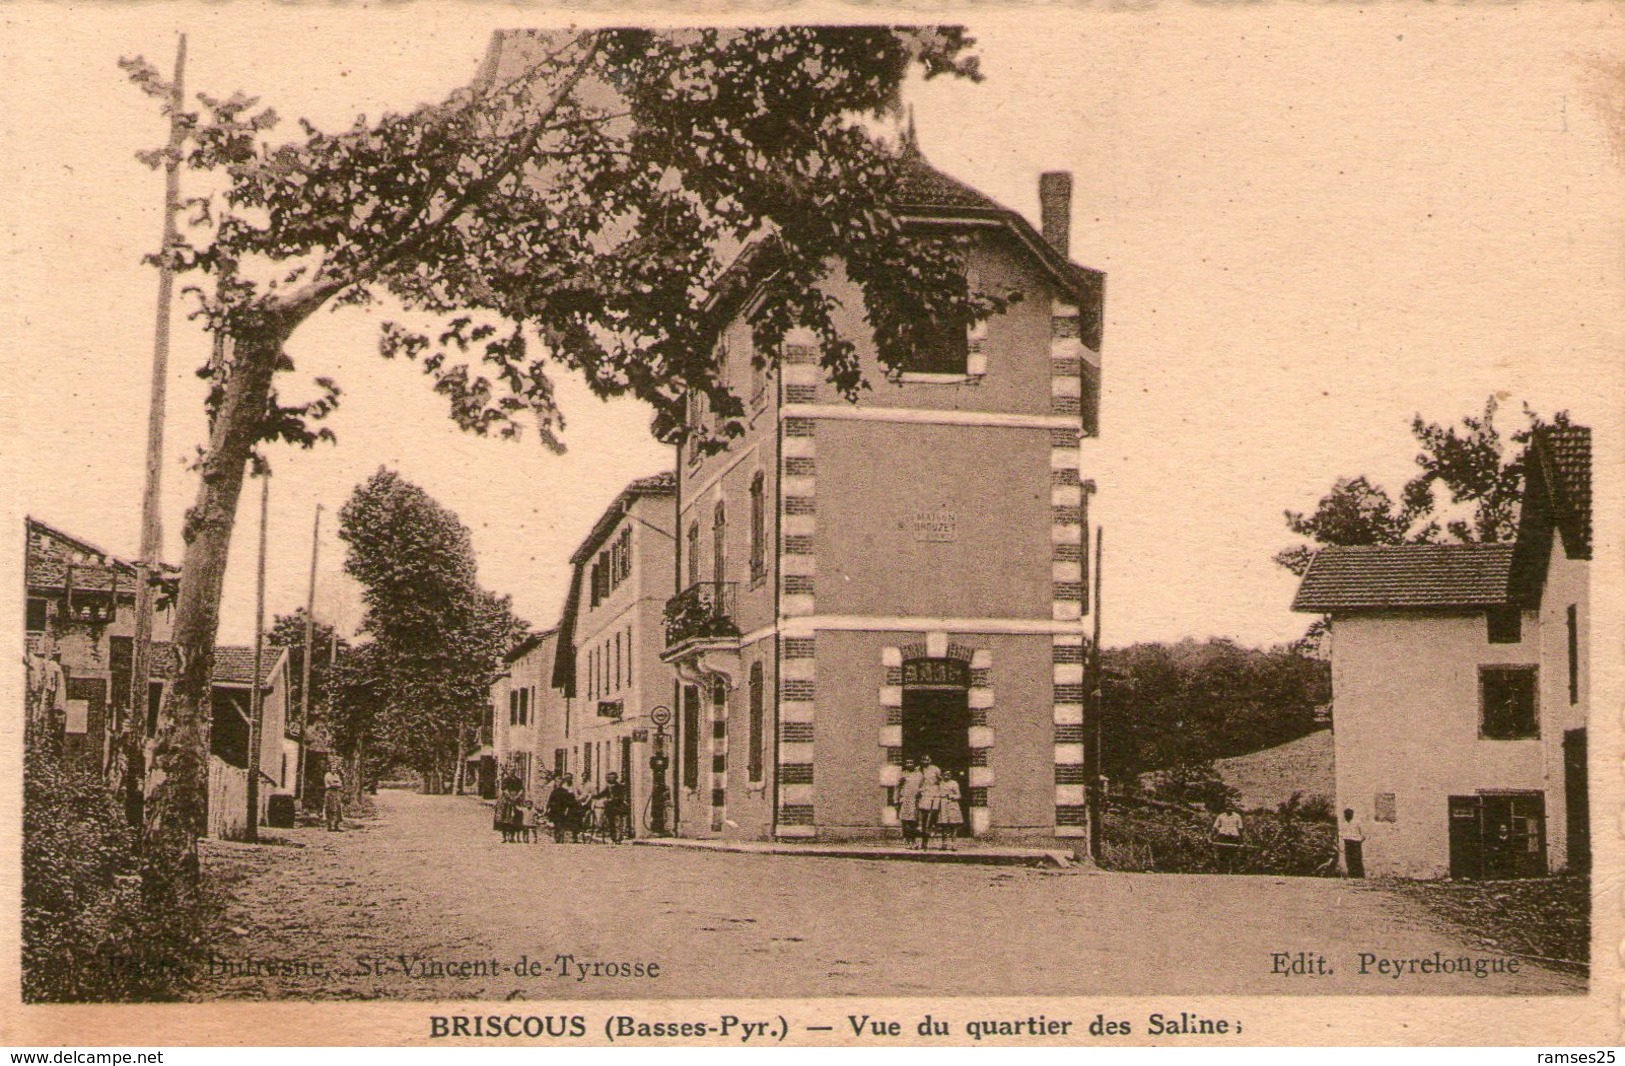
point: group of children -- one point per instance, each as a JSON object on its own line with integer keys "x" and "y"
{"x": 571, "y": 811}
{"x": 930, "y": 803}
{"x": 517, "y": 819}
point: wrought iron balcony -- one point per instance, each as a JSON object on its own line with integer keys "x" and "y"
{"x": 703, "y": 611}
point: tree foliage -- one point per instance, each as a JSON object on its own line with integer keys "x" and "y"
{"x": 1172, "y": 706}
{"x": 1471, "y": 461}
{"x": 437, "y": 637}
{"x": 574, "y": 207}
{"x": 288, "y": 631}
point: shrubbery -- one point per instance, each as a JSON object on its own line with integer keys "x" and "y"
{"x": 89, "y": 935}
{"x": 1163, "y": 838}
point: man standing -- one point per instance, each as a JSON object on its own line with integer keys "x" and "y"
{"x": 1227, "y": 838}
{"x": 1353, "y": 844}
{"x": 333, "y": 799}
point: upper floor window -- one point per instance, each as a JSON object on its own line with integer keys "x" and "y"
{"x": 1509, "y": 702}
{"x": 719, "y": 543}
{"x": 939, "y": 349}
{"x": 1505, "y": 625}
{"x": 1574, "y": 653}
{"x": 693, "y": 553}
{"x": 758, "y": 527}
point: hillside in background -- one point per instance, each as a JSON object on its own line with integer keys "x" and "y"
{"x": 1269, "y": 777}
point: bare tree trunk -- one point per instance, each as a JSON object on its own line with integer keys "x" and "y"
{"x": 176, "y": 810}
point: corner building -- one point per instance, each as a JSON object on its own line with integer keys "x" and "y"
{"x": 902, "y": 576}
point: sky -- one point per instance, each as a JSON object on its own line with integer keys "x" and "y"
{"x": 1315, "y": 223}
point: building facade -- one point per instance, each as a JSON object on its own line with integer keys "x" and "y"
{"x": 901, "y": 576}
{"x": 526, "y": 713}
{"x": 1460, "y": 680}
{"x": 606, "y": 672}
{"x": 80, "y": 615}
{"x": 79, "y": 628}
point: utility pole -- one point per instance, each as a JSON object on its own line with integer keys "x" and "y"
{"x": 256, "y": 699}
{"x": 310, "y": 644}
{"x": 1093, "y": 701}
{"x": 133, "y": 727}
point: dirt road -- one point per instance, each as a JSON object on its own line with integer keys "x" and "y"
{"x": 425, "y": 902}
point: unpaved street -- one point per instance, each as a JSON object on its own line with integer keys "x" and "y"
{"x": 425, "y": 902}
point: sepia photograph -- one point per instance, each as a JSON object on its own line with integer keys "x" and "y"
{"x": 1080, "y": 521}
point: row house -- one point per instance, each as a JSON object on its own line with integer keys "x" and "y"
{"x": 606, "y": 674}
{"x": 524, "y": 704}
{"x": 79, "y": 625}
{"x": 901, "y": 576}
{"x": 1461, "y": 685}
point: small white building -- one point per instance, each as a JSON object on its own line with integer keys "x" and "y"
{"x": 1460, "y": 682}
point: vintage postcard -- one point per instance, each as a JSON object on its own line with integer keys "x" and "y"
{"x": 1075, "y": 525}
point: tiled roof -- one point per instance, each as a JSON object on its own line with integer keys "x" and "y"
{"x": 1565, "y": 455}
{"x": 1406, "y": 576}
{"x": 233, "y": 663}
{"x": 661, "y": 484}
{"x": 919, "y": 184}
{"x": 54, "y": 554}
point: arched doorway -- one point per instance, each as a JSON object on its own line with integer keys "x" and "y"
{"x": 936, "y": 715}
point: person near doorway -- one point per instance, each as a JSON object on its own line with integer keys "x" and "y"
{"x": 1227, "y": 838}
{"x": 951, "y": 816}
{"x": 930, "y": 799}
{"x": 617, "y": 808}
{"x": 333, "y": 800}
{"x": 564, "y": 810}
{"x": 908, "y": 801}
{"x": 1353, "y": 832}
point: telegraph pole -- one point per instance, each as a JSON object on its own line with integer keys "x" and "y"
{"x": 1092, "y": 702}
{"x": 310, "y": 644}
{"x": 152, "y": 530}
{"x": 256, "y": 699}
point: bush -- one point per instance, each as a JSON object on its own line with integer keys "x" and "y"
{"x": 1192, "y": 784}
{"x": 1165, "y": 839}
{"x": 89, "y": 933}
{"x": 1316, "y": 808}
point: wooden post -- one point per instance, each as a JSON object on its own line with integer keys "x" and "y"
{"x": 256, "y": 699}
{"x": 134, "y": 723}
{"x": 310, "y": 643}
{"x": 1092, "y": 706}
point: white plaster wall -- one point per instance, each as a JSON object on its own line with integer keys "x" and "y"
{"x": 1406, "y": 721}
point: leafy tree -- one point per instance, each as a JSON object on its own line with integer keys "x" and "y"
{"x": 288, "y": 631}
{"x": 1168, "y": 706}
{"x": 575, "y": 207}
{"x": 1470, "y": 461}
{"x": 437, "y": 637}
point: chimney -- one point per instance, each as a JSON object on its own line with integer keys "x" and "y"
{"x": 1055, "y": 208}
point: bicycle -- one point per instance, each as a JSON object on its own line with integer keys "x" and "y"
{"x": 600, "y": 826}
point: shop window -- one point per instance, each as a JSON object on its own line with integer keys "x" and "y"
{"x": 1508, "y": 702}
{"x": 36, "y": 614}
